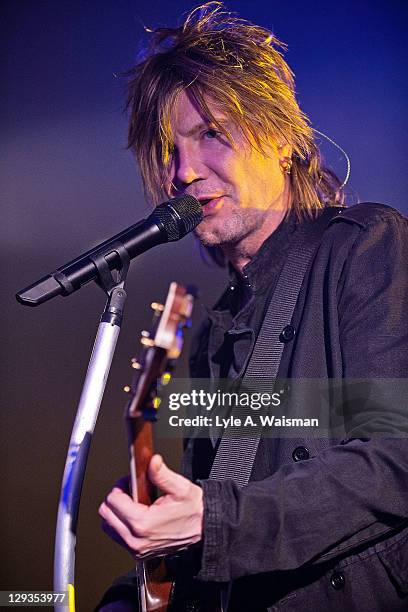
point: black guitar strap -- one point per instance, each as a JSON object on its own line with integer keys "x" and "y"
{"x": 236, "y": 453}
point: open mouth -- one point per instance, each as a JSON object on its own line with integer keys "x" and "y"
{"x": 210, "y": 205}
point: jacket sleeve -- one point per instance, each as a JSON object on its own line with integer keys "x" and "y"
{"x": 353, "y": 492}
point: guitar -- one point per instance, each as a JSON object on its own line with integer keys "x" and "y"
{"x": 160, "y": 349}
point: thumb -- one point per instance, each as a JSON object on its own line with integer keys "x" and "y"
{"x": 164, "y": 478}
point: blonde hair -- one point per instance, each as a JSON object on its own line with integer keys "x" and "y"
{"x": 216, "y": 55}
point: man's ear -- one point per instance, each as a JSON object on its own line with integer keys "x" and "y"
{"x": 285, "y": 150}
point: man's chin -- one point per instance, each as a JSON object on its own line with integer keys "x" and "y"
{"x": 207, "y": 238}
{"x": 214, "y": 231}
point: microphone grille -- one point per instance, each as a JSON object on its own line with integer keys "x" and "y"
{"x": 179, "y": 216}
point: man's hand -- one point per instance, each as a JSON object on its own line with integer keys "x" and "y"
{"x": 170, "y": 523}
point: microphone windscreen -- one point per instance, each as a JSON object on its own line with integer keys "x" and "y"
{"x": 179, "y": 216}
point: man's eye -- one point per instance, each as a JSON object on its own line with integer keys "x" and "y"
{"x": 211, "y": 134}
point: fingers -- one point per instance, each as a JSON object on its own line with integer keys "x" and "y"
{"x": 173, "y": 521}
{"x": 113, "y": 534}
{"x": 136, "y": 538}
{"x": 168, "y": 481}
{"x": 122, "y": 506}
{"x": 123, "y": 523}
{"x": 114, "y": 527}
{"x": 156, "y": 462}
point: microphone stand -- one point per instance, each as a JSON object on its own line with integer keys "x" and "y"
{"x": 84, "y": 425}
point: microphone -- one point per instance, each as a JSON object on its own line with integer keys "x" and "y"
{"x": 168, "y": 222}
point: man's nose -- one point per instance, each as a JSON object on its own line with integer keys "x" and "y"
{"x": 188, "y": 168}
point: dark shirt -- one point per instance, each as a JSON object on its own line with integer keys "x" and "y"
{"x": 237, "y": 318}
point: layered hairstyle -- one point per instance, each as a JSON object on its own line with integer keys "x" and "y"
{"x": 240, "y": 66}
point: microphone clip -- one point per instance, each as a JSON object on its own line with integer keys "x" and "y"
{"x": 108, "y": 279}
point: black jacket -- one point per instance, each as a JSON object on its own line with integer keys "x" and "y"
{"x": 323, "y": 523}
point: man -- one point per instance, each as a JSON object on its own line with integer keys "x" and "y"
{"x": 322, "y": 524}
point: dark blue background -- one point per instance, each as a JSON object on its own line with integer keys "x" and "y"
{"x": 67, "y": 182}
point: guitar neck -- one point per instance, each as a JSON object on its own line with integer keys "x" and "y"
{"x": 139, "y": 421}
{"x": 160, "y": 348}
{"x": 140, "y": 437}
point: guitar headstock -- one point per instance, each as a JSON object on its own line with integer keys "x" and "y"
{"x": 160, "y": 348}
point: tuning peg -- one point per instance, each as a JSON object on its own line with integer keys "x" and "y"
{"x": 165, "y": 379}
{"x": 156, "y": 402}
{"x": 145, "y": 339}
{"x": 126, "y": 389}
{"x": 135, "y": 364}
{"x": 157, "y": 307}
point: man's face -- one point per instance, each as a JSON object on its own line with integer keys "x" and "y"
{"x": 245, "y": 187}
